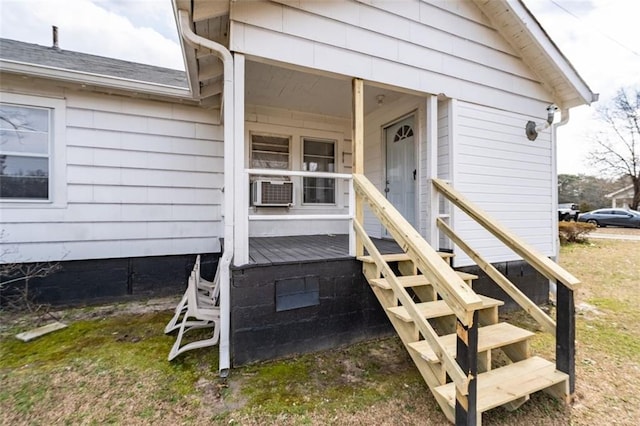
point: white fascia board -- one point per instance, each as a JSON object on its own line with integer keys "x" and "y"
{"x": 99, "y": 80}
{"x": 188, "y": 52}
{"x": 553, "y": 53}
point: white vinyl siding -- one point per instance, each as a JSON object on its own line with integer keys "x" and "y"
{"x": 143, "y": 178}
{"x": 413, "y": 44}
{"x": 507, "y": 175}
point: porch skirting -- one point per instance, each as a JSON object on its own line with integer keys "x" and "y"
{"x": 344, "y": 312}
{"x": 86, "y": 282}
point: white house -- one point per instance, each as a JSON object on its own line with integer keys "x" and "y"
{"x": 622, "y": 198}
{"x": 113, "y": 162}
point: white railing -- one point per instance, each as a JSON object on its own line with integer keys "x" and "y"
{"x": 312, "y": 216}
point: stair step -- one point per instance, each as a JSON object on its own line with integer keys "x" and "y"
{"x": 417, "y": 280}
{"x": 489, "y": 337}
{"x": 509, "y": 383}
{"x": 400, "y": 257}
{"x": 439, "y": 308}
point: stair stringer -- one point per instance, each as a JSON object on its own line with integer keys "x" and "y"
{"x": 433, "y": 375}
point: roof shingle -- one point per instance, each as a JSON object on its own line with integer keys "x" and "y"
{"x": 35, "y": 54}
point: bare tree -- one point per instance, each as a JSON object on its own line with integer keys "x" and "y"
{"x": 617, "y": 151}
{"x": 18, "y": 277}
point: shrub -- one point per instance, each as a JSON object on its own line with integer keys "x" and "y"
{"x": 574, "y": 232}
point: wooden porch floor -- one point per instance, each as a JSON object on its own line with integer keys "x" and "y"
{"x": 303, "y": 248}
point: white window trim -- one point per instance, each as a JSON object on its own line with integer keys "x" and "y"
{"x": 296, "y": 135}
{"x": 57, "y": 151}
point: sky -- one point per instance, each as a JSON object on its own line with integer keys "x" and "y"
{"x": 601, "y": 38}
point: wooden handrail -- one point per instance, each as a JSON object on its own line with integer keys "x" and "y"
{"x": 453, "y": 369}
{"x": 461, "y": 299}
{"x": 514, "y": 292}
{"x": 540, "y": 262}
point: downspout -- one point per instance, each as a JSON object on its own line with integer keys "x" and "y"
{"x": 223, "y": 53}
{"x": 553, "y": 289}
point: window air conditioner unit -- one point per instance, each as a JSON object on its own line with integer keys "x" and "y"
{"x": 269, "y": 193}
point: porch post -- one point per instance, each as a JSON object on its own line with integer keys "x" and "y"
{"x": 566, "y": 334}
{"x": 467, "y": 357}
{"x": 241, "y": 185}
{"x": 357, "y": 150}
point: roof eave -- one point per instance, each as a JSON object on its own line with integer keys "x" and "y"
{"x": 619, "y": 191}
{"x": 103, "y": 81}
{"x": 582, "y": 94}
{"x": 188, "y": 52}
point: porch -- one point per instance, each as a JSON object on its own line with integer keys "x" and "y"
{"x": 300, "y": 294}
{"x": 306, "y": 248}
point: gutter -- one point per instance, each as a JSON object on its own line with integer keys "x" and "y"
{"x": 198, "y": 42}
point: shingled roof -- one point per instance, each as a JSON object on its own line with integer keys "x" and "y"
{"x": 55, "y": 58}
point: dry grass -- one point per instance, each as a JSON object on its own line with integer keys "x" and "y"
{"x": 608, "y": 351}
{"x": 113, "y": 369}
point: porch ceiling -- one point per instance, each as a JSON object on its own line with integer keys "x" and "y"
{"x": 279, "y": 87}
{"x": 266, "y": 84}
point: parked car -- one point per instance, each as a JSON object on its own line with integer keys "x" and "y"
{"x": 568, "y": 212}
{"x": 612, "y": 217}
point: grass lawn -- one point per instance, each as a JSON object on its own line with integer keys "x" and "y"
{"x": 113, "y": 369}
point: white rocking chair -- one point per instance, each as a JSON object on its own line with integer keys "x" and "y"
{"x": 206, "y": 316}
{"x": 208, "y": 293}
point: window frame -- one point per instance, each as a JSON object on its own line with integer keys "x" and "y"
{"x": 334, "y": 142}
{"x": 57, "y": 182}
{"x": 269, "y": 134}
{"x": 295, "y": 135}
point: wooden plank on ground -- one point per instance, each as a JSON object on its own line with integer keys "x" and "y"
{"x": 40, "y": 331}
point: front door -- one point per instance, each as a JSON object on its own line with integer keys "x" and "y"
{"x": 400, "y": 183}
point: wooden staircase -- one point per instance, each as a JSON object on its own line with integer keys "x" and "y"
{"x": 470, "y": 361}
{"x": 509, "y": 385}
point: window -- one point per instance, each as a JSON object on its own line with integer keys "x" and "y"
{"x": 269, "y": 152}
{"x": 319, "y": 156}
{"x": 25, "y": 143}
{"x": 403, "y": 133}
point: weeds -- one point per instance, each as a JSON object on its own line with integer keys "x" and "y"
{"x": 574, "y": 232}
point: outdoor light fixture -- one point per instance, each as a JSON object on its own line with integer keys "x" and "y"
{"x": 532, "y": 129}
